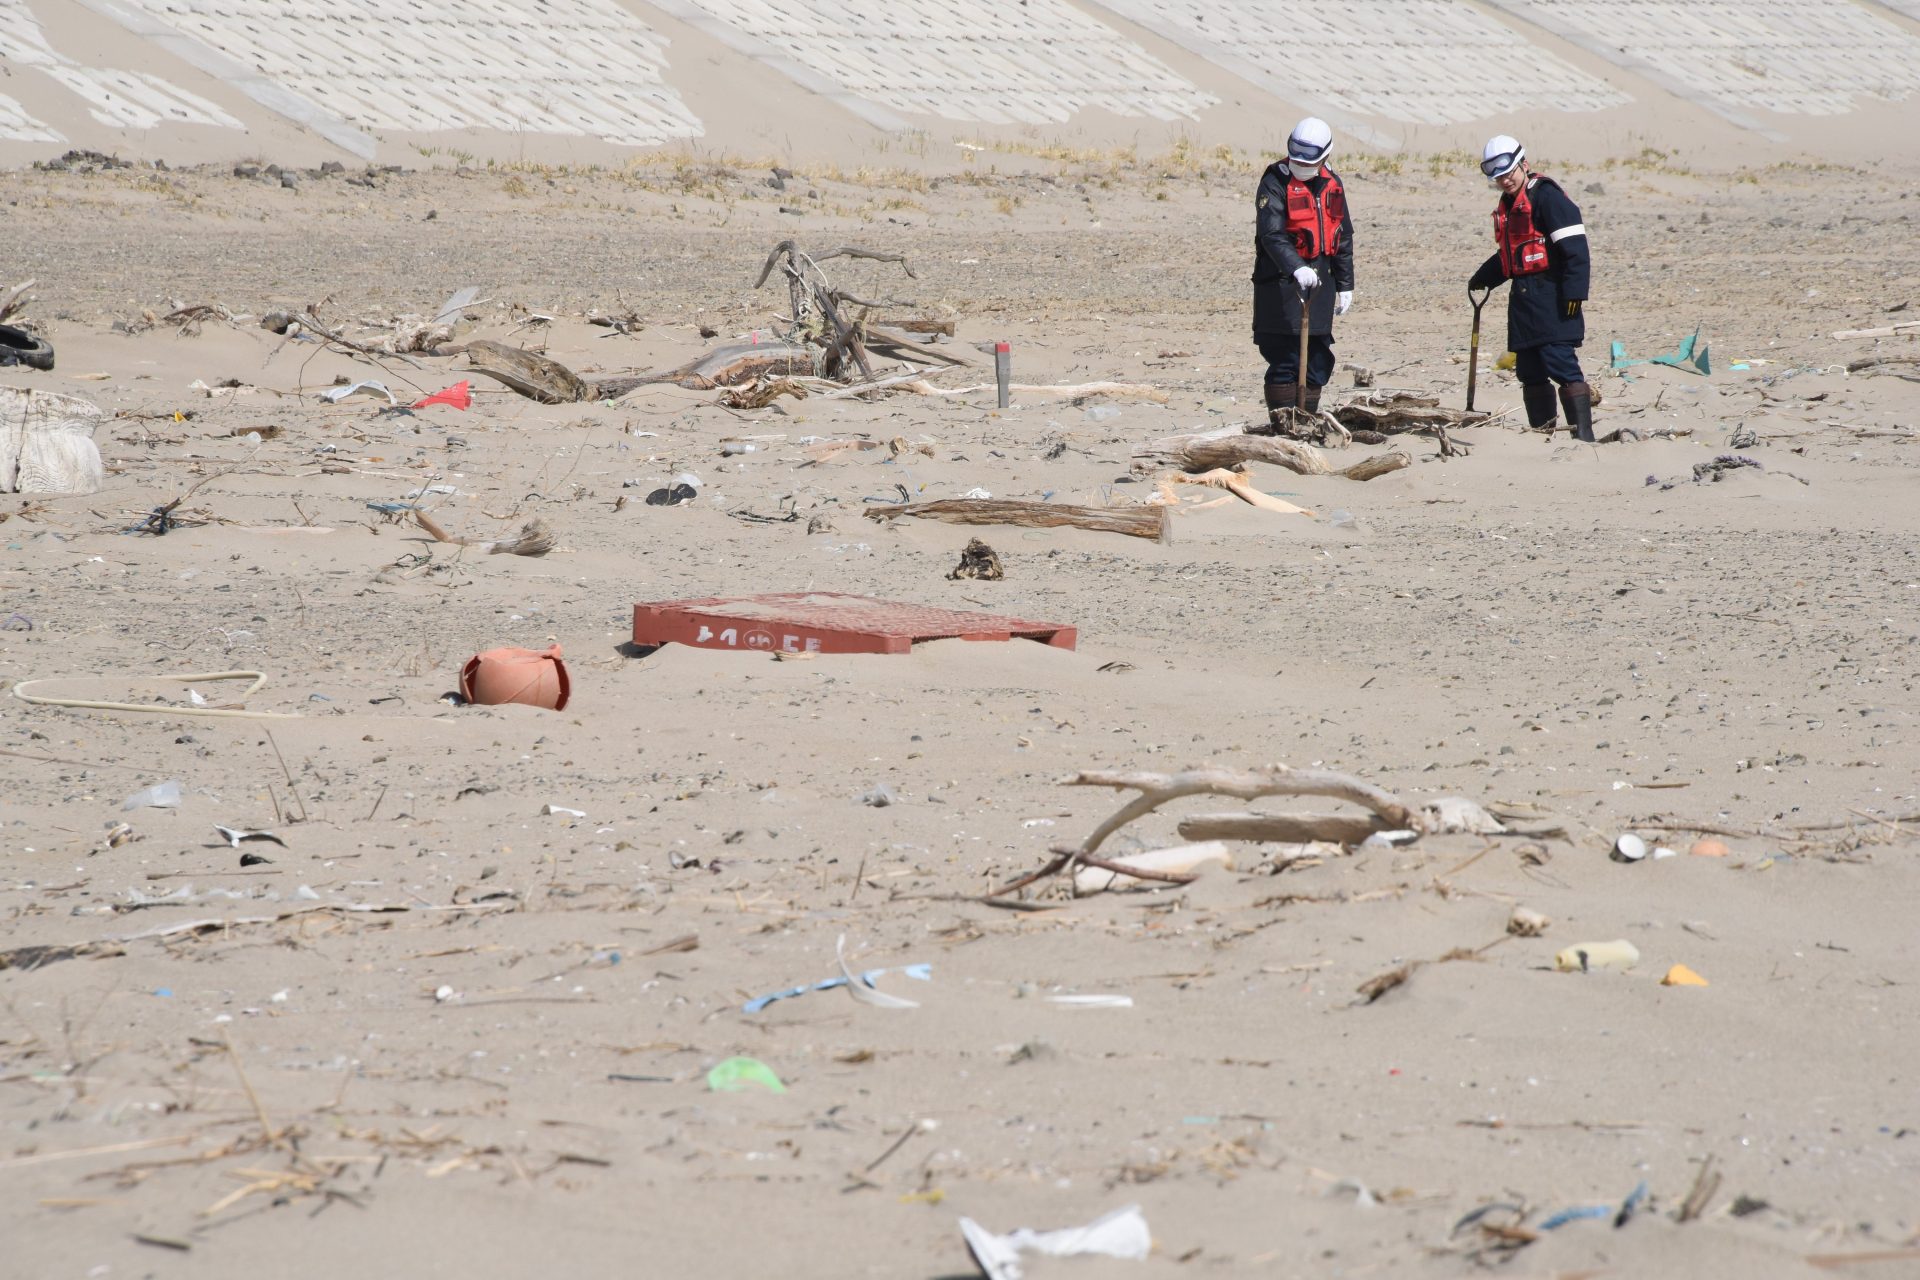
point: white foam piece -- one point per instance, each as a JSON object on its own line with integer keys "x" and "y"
{"x": 1416, "y": 61}
{"x": 589, "y": 68}
{"x": 976, "y": 61}
{"x": 1793, "y": 57}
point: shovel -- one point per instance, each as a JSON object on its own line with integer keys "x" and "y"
{"x": 1306, "y": 327}
{"x": 1473, "y": 346}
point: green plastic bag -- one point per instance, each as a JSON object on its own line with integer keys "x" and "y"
{"x": 736, "y": 1074}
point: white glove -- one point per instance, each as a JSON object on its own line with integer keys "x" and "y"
{"x": 1306, "y": 277}
{"x": 1343, "y": 302}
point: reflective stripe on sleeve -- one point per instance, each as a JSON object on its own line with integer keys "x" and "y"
{"x": 1577, "y": 229}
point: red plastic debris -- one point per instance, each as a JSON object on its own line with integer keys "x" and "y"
{"x": 459, "y": 395}
{"x": 825, "y": 622}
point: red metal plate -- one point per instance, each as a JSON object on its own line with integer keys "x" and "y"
{"x": 825, "y": 622}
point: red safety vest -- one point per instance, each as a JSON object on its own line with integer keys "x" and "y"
{"x": 1315, "y": 221}
{"x": 1523, "y": 250}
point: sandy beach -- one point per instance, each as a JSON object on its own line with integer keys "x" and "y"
{"x": 461, "y": 1021}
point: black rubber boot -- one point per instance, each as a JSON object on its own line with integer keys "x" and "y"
{"x": 1577, "y": 399}
{"x": 1541, "y": 412}
{"x": 1313, "y": 398}
{"x": 1279, "y": 402}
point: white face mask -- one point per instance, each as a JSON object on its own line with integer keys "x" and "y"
{"x": 1302, "y": 170}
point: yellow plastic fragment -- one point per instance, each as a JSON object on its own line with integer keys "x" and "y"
{"x": 1681, "y": 976}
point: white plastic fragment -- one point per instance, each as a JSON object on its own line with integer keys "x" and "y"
{"x": 334, "y": 395}
{"x": 1121, "y": 1234}
{"x": 164, "y": 795}
{"x": 1180, "y": 859}
{"x": 858, "y": 988}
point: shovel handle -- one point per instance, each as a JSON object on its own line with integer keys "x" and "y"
{"x": 1306, "y": 328}
{"x": 1473, "y": 346}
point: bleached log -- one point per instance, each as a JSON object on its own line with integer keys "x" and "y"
{"x": 1137, "y": 522}
{"x": 1215, "y": 449}
{"x": 1229, "y": 447}
{"x": 532, "y": 375}
{"x": 1882, "y": 331}
{"x": 1283, "y": 828}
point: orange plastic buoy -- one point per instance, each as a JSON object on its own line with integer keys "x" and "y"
{"x": 1708, "y": 847}
{"x": 1681, "y": 976}
{"x": 533, "y": 679}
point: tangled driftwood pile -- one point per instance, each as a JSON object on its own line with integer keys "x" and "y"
{"x": 1386, "y": 814}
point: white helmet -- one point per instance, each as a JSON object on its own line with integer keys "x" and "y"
{"x": 1502, "y": 156}
{"x": 1310, "y": 143}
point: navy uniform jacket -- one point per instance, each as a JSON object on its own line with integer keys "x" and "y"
{"x": 1276, "y": 298}
{"x": 1537, "y": 304}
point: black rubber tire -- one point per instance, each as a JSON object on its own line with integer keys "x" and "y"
{"x": 17, "y": 346}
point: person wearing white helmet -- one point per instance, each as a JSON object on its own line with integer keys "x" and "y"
{"x": 1540, "y": 248}
{"x": 1302, "y": 267}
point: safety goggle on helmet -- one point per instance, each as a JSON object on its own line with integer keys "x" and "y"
{"x": 1502, "y": 156}
{"x": 1310, "y": 142}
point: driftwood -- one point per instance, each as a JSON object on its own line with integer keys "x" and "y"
{"x": 1382, "y": 413}
{"x": 762, "y": 393}
{"x": 533, "y": 376}
{"x": 886, "y": 340}
{"x": 1158, "y": 789}
{"x": 1239, "y": 486}
{"x": 190, "y": 319}
{"x": 733, "y": 365}
{"x": 534, "y": 538}
{"x": 1298, "y": 424}
{"x": 1887, "y": 364}
{"x": 1882, "y": 331}
{"x": 878, "y": 384}
{"x": 844, "y": 251}
{"x": 36, "y": 957}
{"x": 1233, "y": 448}
{"x": 945, "y": 328}
{"x": 290, "y": 324}
{"x": 16, "y": 299}
{"x": 1392, "y": 411}
{"x": 818, "y": 305}
{"x": 1387, "y": 812}
{"x": 1186, "y": 861}
{"x": 1138, "y": 522}
{"x": 1282, "y": 828}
